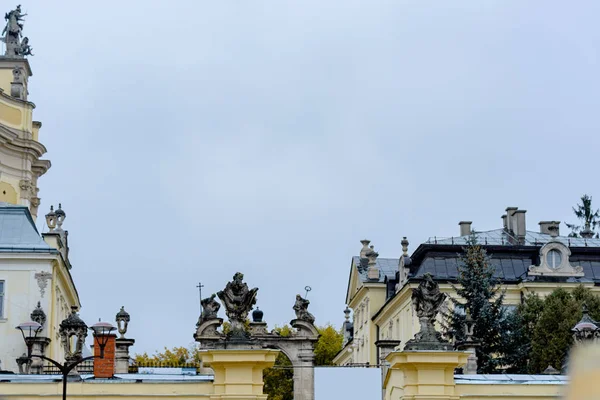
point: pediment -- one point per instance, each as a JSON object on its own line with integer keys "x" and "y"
{"x": 554, "y": 261}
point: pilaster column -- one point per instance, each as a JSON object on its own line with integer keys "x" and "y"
{"x": 38, "y": 349}
{"x": 304, "y": 376}
{"x": 122, "y": 346}
{"x": 423, "y": 374}
{"x": 239, "y": 373}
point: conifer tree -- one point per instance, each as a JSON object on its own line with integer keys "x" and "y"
{"x": 480, "y": 293}
{"x": 550, "y": 329}
{"x": 586, "y": 214}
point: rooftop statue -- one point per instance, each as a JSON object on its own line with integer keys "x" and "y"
{"x": 238, "y": 301}
{"x": 12, "y": 33}
{"x": 301, "y": 309}
{"x": 427, "y": 300}
{"x": 210, "y": 308}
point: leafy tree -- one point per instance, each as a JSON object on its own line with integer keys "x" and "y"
{"x": 587, "y": 216}
{"x": 550, "y": 332}
{"x": 329, "y": 344}
{"x": 175, "y": 357}
{"x": 279, "y": 380}
{"x": 480, "y": 293}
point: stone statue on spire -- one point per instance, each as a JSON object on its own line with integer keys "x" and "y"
{"x": 12, "y": 34}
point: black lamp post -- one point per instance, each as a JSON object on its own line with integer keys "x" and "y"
{"x": 69, "y": 327}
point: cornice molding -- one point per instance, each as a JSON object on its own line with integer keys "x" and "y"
{"x": 12, "y": 141}
{"x": 15, "y": 101}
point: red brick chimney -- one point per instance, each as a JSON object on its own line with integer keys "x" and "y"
{"x": 105, "y": 367}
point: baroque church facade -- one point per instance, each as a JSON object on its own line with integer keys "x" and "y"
{"x": 35, "y": 279}
{"x": 379, "y": 289}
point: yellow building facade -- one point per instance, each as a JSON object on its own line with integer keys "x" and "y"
{"x": 34, "y": 268}
{"x": 379, "y": 289}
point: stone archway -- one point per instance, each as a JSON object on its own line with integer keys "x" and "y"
{"x": 299, "y": 348}
{"x": 238, "y": 299}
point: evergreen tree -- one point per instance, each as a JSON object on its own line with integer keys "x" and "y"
{"x": 588, "y": 217}
{"x": 551, "y": 336}
{"x": 480, "y": 293}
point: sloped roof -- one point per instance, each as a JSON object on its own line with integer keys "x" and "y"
{"x": 18, "y": 233}
{"x": 387, "y": 268}
{"x": 499, "y": 237}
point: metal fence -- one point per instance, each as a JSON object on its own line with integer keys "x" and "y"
{"x": 86, "y": 367}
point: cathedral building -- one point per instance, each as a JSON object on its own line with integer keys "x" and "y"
{"x": 35, "y": 282}
{"x": 379, "y": 289}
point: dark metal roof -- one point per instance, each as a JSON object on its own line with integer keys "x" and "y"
{"x": 387, "y": 268}
{"x": 499, "y": 237}
{"x": 443, "y": 267}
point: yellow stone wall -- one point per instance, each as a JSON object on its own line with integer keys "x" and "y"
{"x": 238, "y": 375}
{"x": 106, "y": 390}
{"x": 430, "y": 375}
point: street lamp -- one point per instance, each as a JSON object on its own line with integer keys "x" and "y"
{"x": 69, "y": 327}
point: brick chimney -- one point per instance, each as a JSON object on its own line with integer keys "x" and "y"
{"x": 105, "y": 367}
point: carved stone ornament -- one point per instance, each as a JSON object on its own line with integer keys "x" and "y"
{"x": 210, "y": 308}
{"x": 38, "y": 315}
{"x": 427, "y": 300}
{"x": 26, "y": 188}
{"x": 122, "y": 318}
{"x": 301, "y": 309}
{"x": 73, "y": 326}
{"x": 42, "y": 280}
{"x": 554, "y": 261}
{"x": 238, "y": 301}
{"x": 12, "y": 33}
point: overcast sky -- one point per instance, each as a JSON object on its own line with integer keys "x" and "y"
{"x": 193, "y": 139}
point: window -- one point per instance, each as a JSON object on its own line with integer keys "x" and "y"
{"x": 554, "y": 258}
{"x": 1, "y": 299}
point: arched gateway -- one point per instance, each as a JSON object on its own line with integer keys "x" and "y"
{"x": 238, "y": 300}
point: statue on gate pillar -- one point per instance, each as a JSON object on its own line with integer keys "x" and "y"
{"x": 238, "y": 301}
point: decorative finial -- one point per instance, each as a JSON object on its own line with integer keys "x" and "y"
{"x": 365, "y": 248}
{"x": 404, "y": 244}
{"x": 122, "y": 320}
{"x": 347, "y": 314}
{"x": 51, "y": 219}
{"x": 38, "y": 315}
{"x": 60, "y": 217}
{"x": 257, "y": 315}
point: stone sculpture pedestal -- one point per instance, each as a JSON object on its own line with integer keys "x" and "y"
{"x": 122, "y": 346}
{"x": 239, "y": 373}
{"x": 423, "y": 374}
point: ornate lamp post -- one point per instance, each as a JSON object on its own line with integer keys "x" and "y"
{"x": 69, "y": 327}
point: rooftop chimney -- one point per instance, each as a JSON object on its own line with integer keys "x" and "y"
{"x": 550, "y": 228}
{"x": 510, "y": 219}
{"x": 504, "y": 223}
{"x": 465, "y": 228}
{"x": 105, "y": 367}
{"x": 520, "y": 228}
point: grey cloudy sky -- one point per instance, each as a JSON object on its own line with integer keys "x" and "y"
{"x": 194, "y": 139}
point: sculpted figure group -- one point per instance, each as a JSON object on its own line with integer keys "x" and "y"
{"x": 12, "y": 34}
{"x": 238, "y": 299}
